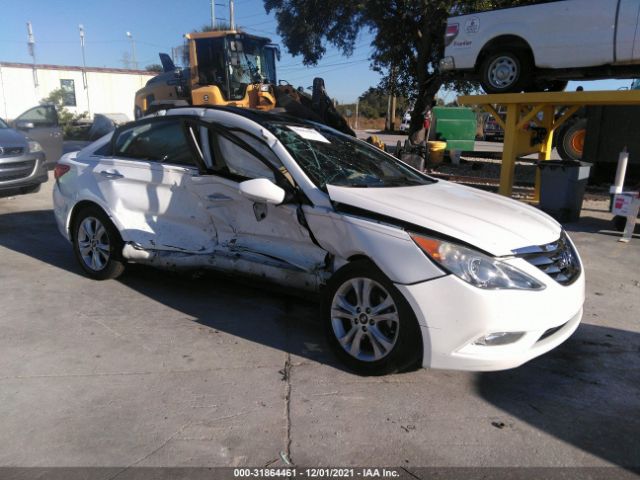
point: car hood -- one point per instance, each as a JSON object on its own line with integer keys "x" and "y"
{"x": 12, "y": 138}
{"x": 495, "y": 224}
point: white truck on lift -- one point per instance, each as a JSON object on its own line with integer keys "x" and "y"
{"x": 542, "y": 46}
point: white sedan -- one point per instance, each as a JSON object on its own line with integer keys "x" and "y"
{"x": 413, "y": 270}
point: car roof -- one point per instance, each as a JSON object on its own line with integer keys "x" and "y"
{"x": 257, "y": 116}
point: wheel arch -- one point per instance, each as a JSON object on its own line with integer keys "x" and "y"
{"x": 500, "y": 41}
{"x": 80, "y": 205}
{"x": 367, "y": 268}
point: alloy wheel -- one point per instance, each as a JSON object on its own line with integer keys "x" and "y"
{"x": 503, "y": 72}
{"x": 93, "y": 243}
{"x": 365, "y": 319}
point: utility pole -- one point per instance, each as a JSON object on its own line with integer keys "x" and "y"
{"x": 85, "y": 83}
{"x": 31, "y": 43}
{"x": 392, "y": 118}
{"x": 133, "y": 50}
{"x": 213, "y": 14}
{"x": 393, "y": 113}
{"x": 232, "y": 23}
{"x": 357, "y": 104}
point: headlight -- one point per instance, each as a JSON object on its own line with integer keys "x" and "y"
{"x": 474, "y": 267}
{"x": 34, "y": 147}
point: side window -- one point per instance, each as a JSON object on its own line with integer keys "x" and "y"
{"x": 232, "y": 158}
{"x": 69, "y": 89}
{"x": 163, "y": 141}
{"x": 42, "y": 116}
{"x": 104, "y": 150}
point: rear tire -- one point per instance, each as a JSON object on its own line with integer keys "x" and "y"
{"x": 97, "y": 244}
{"x": 368, "y": 322}
{"x": 506, "y": 71}
{"x": 570, "y": 141}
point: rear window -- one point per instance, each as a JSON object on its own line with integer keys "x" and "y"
{"x": 161, "y": 141}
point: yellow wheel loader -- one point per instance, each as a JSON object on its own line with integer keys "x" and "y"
{"x": 233, "y": 68}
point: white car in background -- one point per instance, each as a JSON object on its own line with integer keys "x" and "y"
{"x": 406, "y": 122}
{"x": 542, "y": 46}
{"x": 412, "y": 270}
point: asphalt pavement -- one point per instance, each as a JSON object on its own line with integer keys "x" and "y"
{"x": 159, "y": 369}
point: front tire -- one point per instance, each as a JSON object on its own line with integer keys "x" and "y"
{"x": 368, "y": 323}
{"x": 506, "y": 71}
{"x": 97, "y": 244}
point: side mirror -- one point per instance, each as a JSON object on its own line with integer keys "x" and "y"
{"x": 262, "y": 190}
{"x": 24, "y": 125}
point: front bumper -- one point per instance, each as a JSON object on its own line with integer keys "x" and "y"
{"x": 20, "y": 172}
{"x": 453, "y": 315}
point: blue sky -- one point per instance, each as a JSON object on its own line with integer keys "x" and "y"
{"x": 158, "y": 25}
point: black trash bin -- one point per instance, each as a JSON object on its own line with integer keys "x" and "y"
{"x": 562, "y": 186}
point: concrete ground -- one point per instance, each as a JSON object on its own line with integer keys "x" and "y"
{"x": 157, "y": 369}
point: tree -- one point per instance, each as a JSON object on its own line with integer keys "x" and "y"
{"x": 67, "y": 119}
{"x": 154, "y": 67}
{"x": 408, "y": 39}
{"x": 220, "y": 26}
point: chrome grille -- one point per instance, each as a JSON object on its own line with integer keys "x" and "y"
{"x": 557, "y": 259}
{"x": 11, "y": 151}
{"x": 16, "y": 170}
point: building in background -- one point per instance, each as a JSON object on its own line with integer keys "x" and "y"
{"x": 110, "y": 90}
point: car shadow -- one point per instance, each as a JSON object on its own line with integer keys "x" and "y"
{"x": 597, "y": 225}
{"x": 586, "y": 393}
{"x": 272, "y": 316}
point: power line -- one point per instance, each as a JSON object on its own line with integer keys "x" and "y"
{"x": 255, "y": 15}
{"x": 325, "y": 66}
{"x": 261, "y": 23}
{"x": 332, "y": 55}
{"x": 325, "y": 71}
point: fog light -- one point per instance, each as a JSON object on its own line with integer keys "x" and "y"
{"x": 499, "y": 338}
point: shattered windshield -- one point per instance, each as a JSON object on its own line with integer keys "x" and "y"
{"x": 329, "y": 157}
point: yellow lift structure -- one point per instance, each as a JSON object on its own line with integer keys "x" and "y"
{"x": 546, "y": 111}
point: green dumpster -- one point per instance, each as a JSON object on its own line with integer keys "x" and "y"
{"x": 457, "y": 126}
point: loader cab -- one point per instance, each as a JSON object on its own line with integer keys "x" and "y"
{"x": 230, "y": 61}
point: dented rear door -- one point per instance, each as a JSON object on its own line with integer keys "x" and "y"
{"x": 146, "y": 183}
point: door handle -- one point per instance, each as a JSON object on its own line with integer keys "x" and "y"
{"x": 218, "y": 197}
{"x": 111, "y": 174}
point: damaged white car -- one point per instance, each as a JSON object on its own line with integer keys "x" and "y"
{"x": 413, "y": 271}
